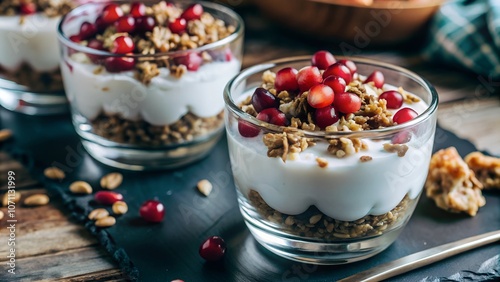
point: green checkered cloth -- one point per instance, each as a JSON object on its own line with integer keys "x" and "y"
{"x": 467, "y": 33}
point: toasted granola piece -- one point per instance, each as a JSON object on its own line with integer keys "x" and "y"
{"x": 452, "y": 185}
{"x": 487, "y": 169}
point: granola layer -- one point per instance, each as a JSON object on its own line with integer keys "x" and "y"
{"x": 34, "y": 80}
{"x": 51, "y": 8}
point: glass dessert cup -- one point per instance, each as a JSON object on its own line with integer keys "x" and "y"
{"x": 134, "y": 121}
{"x": 347, "y": 210}
{"x": 30, "y": 80}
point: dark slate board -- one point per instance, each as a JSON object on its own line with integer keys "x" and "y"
{"x": 169, "y": 250}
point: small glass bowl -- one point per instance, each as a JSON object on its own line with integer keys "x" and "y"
{"x": 30, "y": 79}
{"x": 170, "y": 121}
{"x": 347, "y": 211}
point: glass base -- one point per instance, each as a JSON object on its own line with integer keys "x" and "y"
{"x": 317, "y": 251}
{"x": 31, "y": 103}
{"x": 148, "y": 158}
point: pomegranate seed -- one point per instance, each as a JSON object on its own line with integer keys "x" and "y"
{"x": 247, "y": 129}
{"x": 122, "y": 45}
{"x": 274, "y": 116}
{"x": 350, "y": 65}
{"x": 152, "y": 211}
{"x": 192, "y": 61}
{"x": 111, "y": 13}
{"x": 107, "y": 197}
{"x": 118, "y": 64}
{"x": 27, "y": 8}
{"x": 213, "y": 249}
{"x": 75, "y": 38}
{"x": 394, "y": 99}
{"x": 377, "y": 78}
{"x": 98, "y": 45}
{"x": 263, "y": 99}
{"x": 100, "y": 24}
{"x": 286, "y": 79}
{"x": 87, "y": 30}
{"x": 307, "y": 77}
{"x": 347, "y": 102}
{"x": 325, "y": 116}
{"x": 144, "y": 23}
{"x": 336, "y": 83}
{"x": 137, "y": 9}
{"x": 339, "y": 69}
{"x": 228, "y": 55}
{"x": 404, "y": 115}
{"x": 401, "y": 137}
{"x": 178, "y": 25}
{"x": 193, "y": 12}
{"x": 125, "y": 24}
{"x": 323, "y": 59}
{"x": 320, "y": 96}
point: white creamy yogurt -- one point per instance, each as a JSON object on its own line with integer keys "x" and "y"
{"x": 33, "y": 42}
{"x": 163, "y": 101}
{"x": 347, "y": 189}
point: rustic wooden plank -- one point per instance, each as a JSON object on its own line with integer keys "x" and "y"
{"x": 70, "y": 263}
{"x": 111, "y": 275}
{"x": 23, "y": 178}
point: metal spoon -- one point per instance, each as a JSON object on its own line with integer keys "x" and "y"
{"x": 416, "y": 260}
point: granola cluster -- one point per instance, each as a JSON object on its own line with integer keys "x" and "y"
{"x": 452, "y": 184}
{"x": 51, "y": 8}
{"x": 486, "y": 168}
{"x": 35, "y": 80}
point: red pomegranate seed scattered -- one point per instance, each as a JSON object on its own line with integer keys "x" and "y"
{"x": 178, "y": 25}
{"x": 193, "y": 12}
{"x": 394, "y": 99}
{"x": 137, "y": 9}
{"x": 320, "y": 96}
{"x": 213, "y": 249}
{"x": 336, "y": 83}
{"x": 377, "y": 78}
{"x": 27, "y": 8}
{"x": 246, "y": 129}
{"x": 87, "y": 30}
{"x": 286, "y": 79}
{"x": 107, "y": 197}
{"x": 144, "y": 23}
{"x": 75, "y": 38}
{"x": 118, "y": 64}
{"x": 192, "y": 61}
{"x": 404, "y": 115}
{"x": 152, "y": 211}
{"x": 325, "y": 116}
{"x": 350, "y": 65}
{"x": 323, "y": 59}
{"x": 228, "y": 55}
{"x": 307, "y": 77}
{"x": 339, "y": 69}
{"x": 263, "y": 99}
{"x": 111, "y": 13}
{"x": 122, "y": 45}
{"x": 347, "y": 103}
{"x": 125, "y": 24}
{"x": 274, "y": 116}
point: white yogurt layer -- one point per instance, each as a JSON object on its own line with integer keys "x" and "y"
{"x": 347, "y": 189}
{"x": 33, "y": 42}
{"x": 161, "y": 102}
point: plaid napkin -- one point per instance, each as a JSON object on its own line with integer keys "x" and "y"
{"x": 467, "y": 33}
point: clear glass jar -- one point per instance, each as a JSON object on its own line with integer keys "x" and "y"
{"x": 30, "y": 79}
{"x": 169, "y": 120}
{"x": 347, "y": 210}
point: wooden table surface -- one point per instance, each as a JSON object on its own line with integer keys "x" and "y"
{"x": 50, "y": 246}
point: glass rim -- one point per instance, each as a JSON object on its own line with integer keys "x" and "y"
{"x": 386, "y": 5}
{"x": 373, "y": 133}
{"x": 64, "y": 38}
